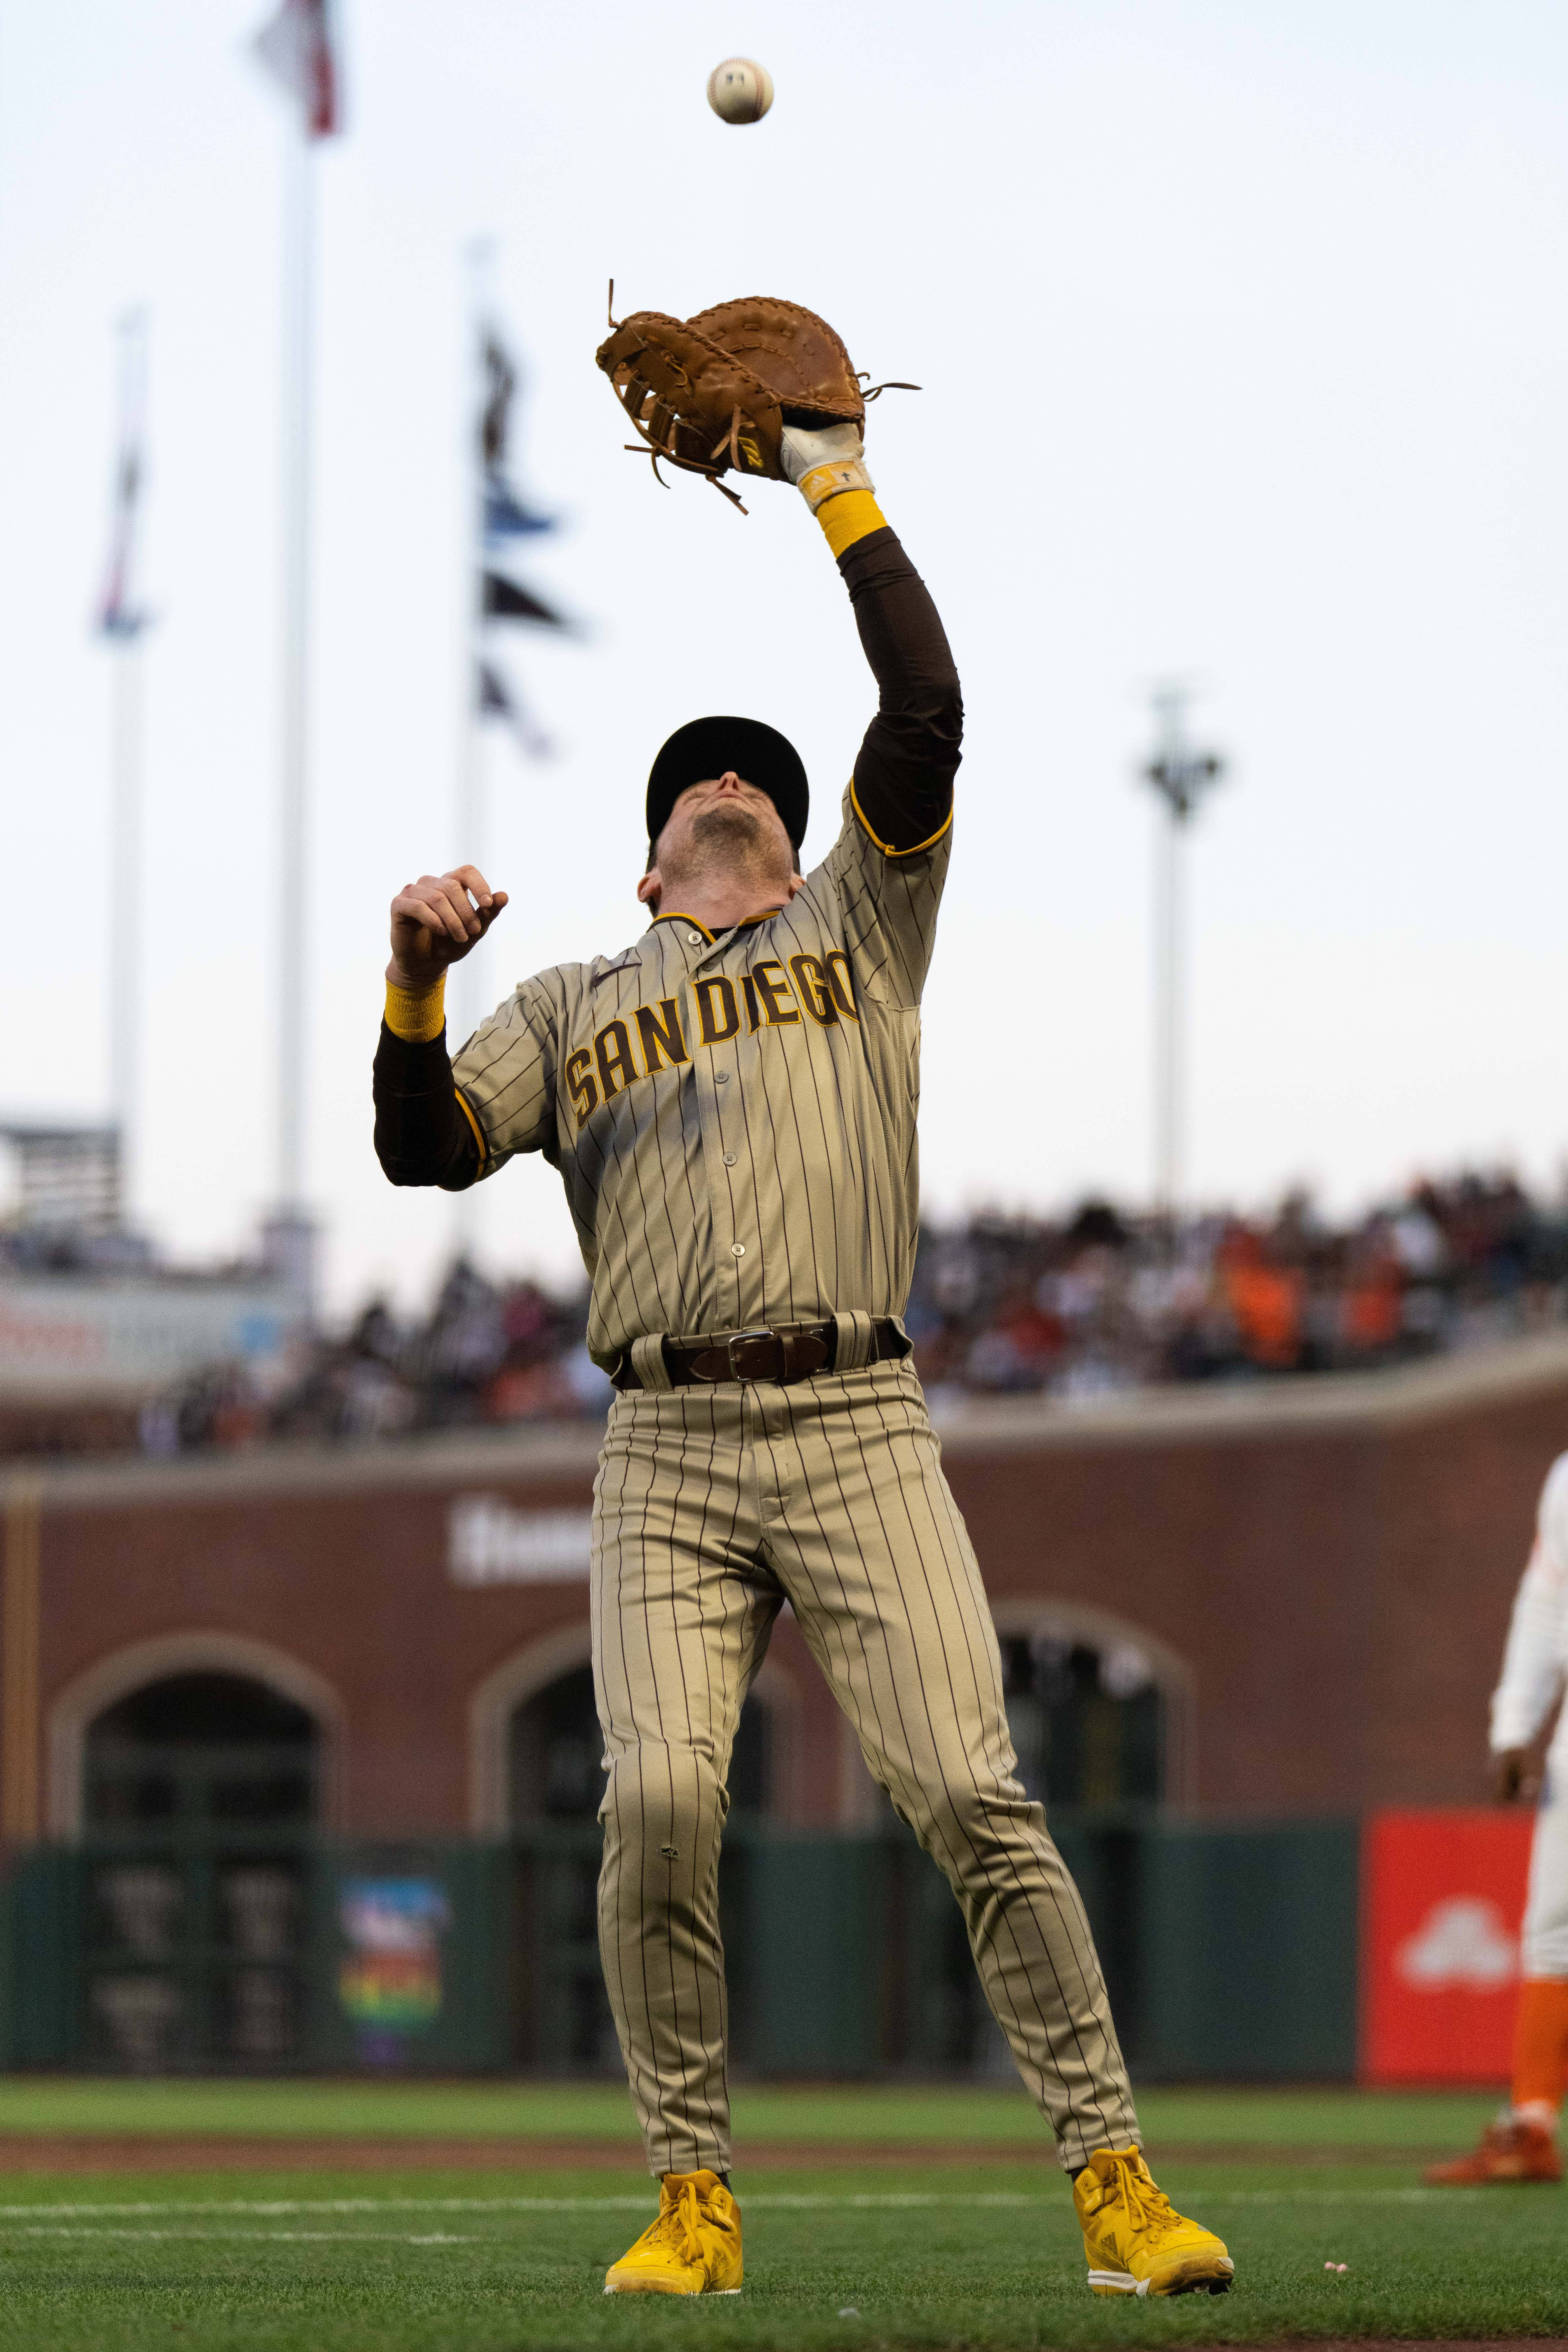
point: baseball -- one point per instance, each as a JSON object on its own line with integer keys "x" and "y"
{"x": 740, "y": 90}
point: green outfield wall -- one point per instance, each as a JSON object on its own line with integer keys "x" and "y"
{"x": 1230, "y": 1950}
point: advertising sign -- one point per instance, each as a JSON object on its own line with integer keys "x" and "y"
{"x": 1443, "y": 1897}
{"x": 69, "y": 1337}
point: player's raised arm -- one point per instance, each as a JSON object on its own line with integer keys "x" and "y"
{"x": 763, "y": 387}
{"x": 426, "y": 1132}
{"x": 903, "y": 777}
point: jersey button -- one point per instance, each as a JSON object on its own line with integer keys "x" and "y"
{"x": 694, "y": 939}
{"x": 737, "y": 1249}
{"x": 731, "y": 1158}
{"x": 723, "y": 1079}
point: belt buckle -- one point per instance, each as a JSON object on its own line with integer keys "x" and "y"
{"x": 738, "y": 1338}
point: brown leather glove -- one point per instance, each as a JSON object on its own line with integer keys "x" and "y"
{"x": 717, "y": 391}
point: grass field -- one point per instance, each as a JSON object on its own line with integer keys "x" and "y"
{"x": 840, "y": 2250}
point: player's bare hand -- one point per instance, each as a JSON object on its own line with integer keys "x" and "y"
{"x": 1512, "y": 1778}
{"x": 436, "y": 921}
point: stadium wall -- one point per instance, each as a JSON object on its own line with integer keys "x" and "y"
{"x": 1320, "y": 1573}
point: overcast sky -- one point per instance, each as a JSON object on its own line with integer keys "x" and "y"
{"x": 1242, "y": 329}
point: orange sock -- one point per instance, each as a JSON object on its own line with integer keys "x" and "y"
{"x": 1541, "y": 2042}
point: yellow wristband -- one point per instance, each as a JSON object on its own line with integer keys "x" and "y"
{"x": 416, "y": 1015}
{"x": 852, "y": 515}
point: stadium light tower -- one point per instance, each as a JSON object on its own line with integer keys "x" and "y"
{"x": 1181, "y": 776}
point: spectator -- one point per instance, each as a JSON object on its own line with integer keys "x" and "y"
{"x": 1072, "y": 1308}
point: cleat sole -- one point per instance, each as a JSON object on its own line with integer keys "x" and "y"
{"x": 642, "y": 2287}
{"x": 1202, "y": 2276}
{"x": 1116, "y": 2283}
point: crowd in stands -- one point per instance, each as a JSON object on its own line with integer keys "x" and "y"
{"x": 489, "y": 1353}
{"x": 1072, "y": 1308}
{"x": 1103, "y": 1302}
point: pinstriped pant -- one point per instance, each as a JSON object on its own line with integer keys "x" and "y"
{"x": 1544, "y": 1939}
{"x": 712, "y": 1507}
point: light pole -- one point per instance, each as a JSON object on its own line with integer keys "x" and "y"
{"x": 1181, "y": 776}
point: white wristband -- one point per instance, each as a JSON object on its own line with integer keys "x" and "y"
{"x": 822, "y": 464}
{"x": 824, "y": 482}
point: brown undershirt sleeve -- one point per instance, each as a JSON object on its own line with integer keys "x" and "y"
{"x": 903, "y": 777}
{"x": 423, "y": 1133}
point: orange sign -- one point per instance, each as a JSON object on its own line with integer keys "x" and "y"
{"x": 1442, "y": 1899}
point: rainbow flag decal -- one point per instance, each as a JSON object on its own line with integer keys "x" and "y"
{"x": 391, "y": 1980}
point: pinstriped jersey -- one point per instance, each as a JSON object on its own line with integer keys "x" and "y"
{"x": 733, "y": 1117}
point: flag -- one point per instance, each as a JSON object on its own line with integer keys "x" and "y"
{"x": 505, "y": 600}
{"x": 118, "y": 614}
{"x": 500, "y": 383}
{"x": 506, "y": 516}
{"x": 503, "y": 514}
{"x": 296, "y": 49}
{"x": 496, "y": 699}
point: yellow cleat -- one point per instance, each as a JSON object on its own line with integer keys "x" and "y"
{"x": 693, "y": 2248}
{"x": 1136, "y": 2241}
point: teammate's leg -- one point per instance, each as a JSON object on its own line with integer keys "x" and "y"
{"x": 1541, "y": 2042}
{"x": 681, "y": 1616}
{"x": 1541, "y": 2050}
{"x": 1522, "y": 2145}
{"x": 859, "y": 1523}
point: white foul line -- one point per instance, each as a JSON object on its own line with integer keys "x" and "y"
{"x": 28, "y": 2220}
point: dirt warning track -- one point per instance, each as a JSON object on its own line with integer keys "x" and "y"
{"x": 206, "y": 2152}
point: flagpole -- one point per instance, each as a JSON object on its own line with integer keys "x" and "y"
{"x": 291, "y": 1238}
{"x": 124, "y": 625}
{"x": 471, "y": 809}
{"x": 470, "y": 804}
{"x": 496, "y": 514}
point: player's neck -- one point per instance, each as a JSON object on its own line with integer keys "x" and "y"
{"x": 718, "y": 904}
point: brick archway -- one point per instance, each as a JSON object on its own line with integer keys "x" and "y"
{"x": 1017, "y": 1614}
{"x": 533, "y": 1668}
{"x": 132, "y": 1669}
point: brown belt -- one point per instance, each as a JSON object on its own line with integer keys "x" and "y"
{"x": 785, "y": 1352}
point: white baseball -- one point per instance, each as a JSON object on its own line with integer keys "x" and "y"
{"x": 740, "y": 90}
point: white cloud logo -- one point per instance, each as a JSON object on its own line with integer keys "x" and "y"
{"x": 1462, "y": 1941}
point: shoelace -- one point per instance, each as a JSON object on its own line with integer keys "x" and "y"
{"x": 678, "y": 2222}
{"x": 1146, "y": 2204}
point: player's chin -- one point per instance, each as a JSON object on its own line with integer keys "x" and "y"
{"x": 728, "y": 821}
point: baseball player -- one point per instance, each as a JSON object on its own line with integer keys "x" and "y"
{"x": 1522, "y": 2145}
{"x": 730, "y": 1101}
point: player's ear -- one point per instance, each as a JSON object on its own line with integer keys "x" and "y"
{"x": 651, "y": 887}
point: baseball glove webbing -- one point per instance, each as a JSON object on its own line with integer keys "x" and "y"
{"x": 715, "y": 392}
